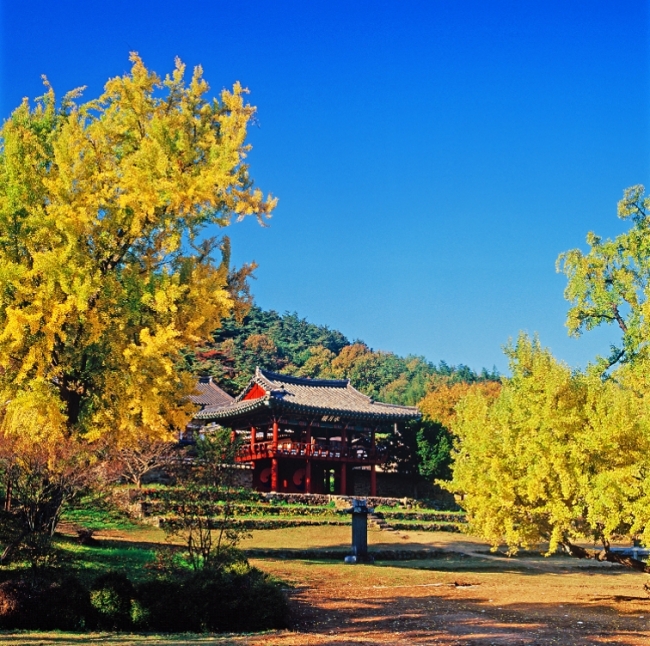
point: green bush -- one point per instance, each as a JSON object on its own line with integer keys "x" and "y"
{"x": 163, "y": 606}
{"x": 113, "y": 598}
{"x": 44, "y": 604}
{"x": 66, "y": 605}
{"x": 232, "y": 599}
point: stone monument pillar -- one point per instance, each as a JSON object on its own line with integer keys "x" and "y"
{"x": 359, "y": 511}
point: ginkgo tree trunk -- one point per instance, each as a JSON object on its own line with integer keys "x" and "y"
{"x": 105, "y": 270}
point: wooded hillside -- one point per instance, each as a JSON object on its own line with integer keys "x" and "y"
{"x": 288, "y": 344}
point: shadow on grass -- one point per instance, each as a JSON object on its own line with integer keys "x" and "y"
{"x": 557, "y": 566}
{"x": 424, "y": 557}
{"x": 134, "y": 556}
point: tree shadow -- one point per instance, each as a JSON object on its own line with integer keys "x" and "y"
{"x": 417, "y": 556}
{"x": 442, "y": 619}
{"x": 529, "y": 567}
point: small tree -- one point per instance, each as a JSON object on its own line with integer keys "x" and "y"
{"x": 41, "y": 479}
{"x": 132, "y": 463}
{"x": 202, "y": 505}
{"x": 420, "y": 449}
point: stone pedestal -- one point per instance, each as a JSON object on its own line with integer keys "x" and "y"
{"x": 359, "y": 511}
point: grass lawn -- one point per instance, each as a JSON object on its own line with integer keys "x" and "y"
{"x": 468, "y": 596}
{"x": 340, "y": 537}
{"x": 89, "y": 562}
{"x": 476, "y": 600}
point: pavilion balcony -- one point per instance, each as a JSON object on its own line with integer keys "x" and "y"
{"x": 334, "y": 452}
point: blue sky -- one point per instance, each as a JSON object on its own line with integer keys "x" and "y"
{"x": 432, "y": 159}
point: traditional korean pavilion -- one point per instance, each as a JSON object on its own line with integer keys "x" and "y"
{"x": 306, "y": 435}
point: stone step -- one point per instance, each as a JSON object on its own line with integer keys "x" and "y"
{"x": 378, "y": 521}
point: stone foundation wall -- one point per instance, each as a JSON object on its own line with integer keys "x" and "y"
{"x": 339, "y": 501}
{"x": 242, "y": 477}
{"x": 346, "y": 501}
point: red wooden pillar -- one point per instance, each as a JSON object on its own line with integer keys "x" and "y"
{"x": 253, "y": 439}
{"x": 373, "y": 467}
{"x": 308, "y": 461}
{"x": 233, "y": 437}
{"x": 274, "y": 459}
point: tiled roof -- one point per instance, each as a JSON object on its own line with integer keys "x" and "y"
{"x": 283, "y": 393}
{"x": 210, "y": 395}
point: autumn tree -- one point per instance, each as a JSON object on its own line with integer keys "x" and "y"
{"x": 318, "y": 363}
{"x": 104, "y": 280}
{"x": 41, "y": 473}
{"x": 561, "y": 455}
{"x": 132, "y": 462}
{"x": 558, "y": 457}
{"x": 439, "y": 404}
{"x": 430, "y": 439}
{"x": 105, "y": 271}
{"x": 609, "y": 283}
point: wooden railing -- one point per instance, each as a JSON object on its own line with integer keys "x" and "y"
{"x": 286, "y": 448}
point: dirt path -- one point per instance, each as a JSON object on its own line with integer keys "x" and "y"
{"x": 471, "y": 602}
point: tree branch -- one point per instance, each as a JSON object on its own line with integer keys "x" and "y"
{"x": 619, "y": 319}
{"x": 605, "y": 555}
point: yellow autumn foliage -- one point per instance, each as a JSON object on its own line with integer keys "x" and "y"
{"x": 558, "y": 457}
{"x": 439, "y": 404}
{"x": 104, "y": 277}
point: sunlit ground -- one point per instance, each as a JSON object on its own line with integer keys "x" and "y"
{"x": 468, "y": 597}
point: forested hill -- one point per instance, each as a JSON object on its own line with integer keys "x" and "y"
{"x": 288, "y": 344}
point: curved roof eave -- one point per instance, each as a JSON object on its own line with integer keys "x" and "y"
{"x": 246, "y": 407}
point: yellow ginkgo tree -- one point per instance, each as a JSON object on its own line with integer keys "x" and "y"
{"x": 104, "y": 274}
{"x": 608, "y": 285}
{"x": 563, "y": 456}
{"x": 559, "y": 457}
{"x": 106, "y": 270}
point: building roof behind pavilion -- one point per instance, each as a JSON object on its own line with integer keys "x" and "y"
{"x": 209, "y": 395}
{"x": 273, "y": 393}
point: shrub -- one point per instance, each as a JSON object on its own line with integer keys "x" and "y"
{"x": 250, "y": 601}
{"x": 232, "y": 598}
{"x": 15, "y": 600}
{"x": 163, "y": 606}
{"x": 66, "y": 606}
{"x": 44, "y": 604}
{"x": 113, "y": 598}
{"x": 236, "y": 598}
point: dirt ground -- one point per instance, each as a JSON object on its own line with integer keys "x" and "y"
{"x": 469, "y": 597}
{"x": 466, "y": 601}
